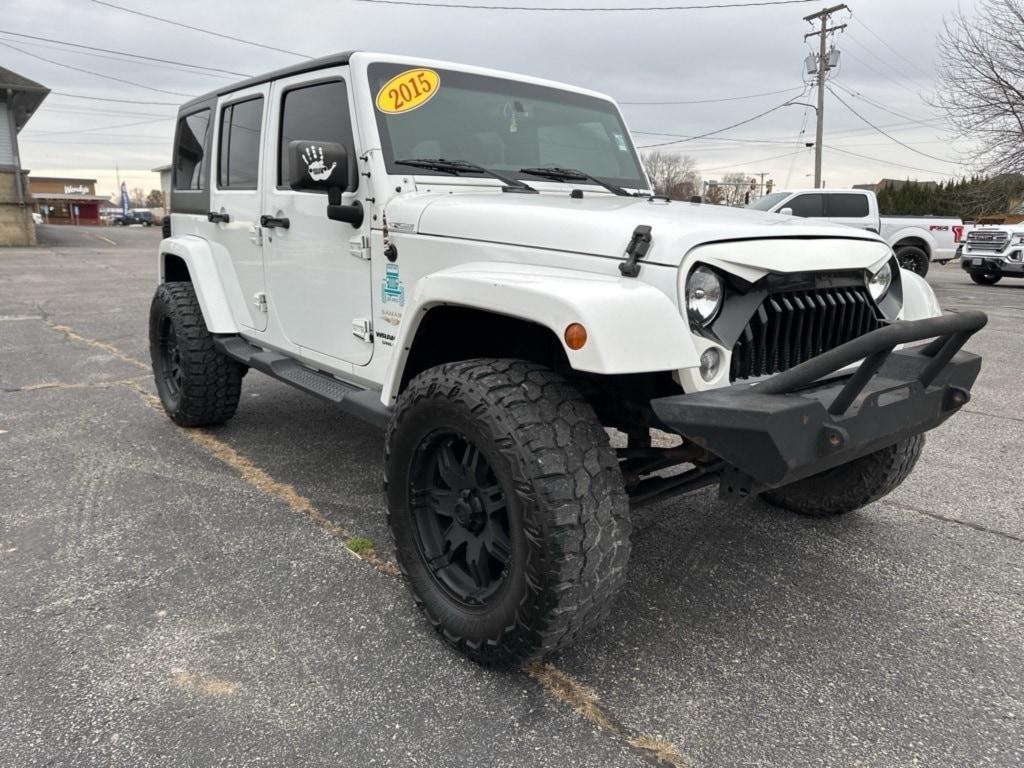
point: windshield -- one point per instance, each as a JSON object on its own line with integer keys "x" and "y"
{"x": 502, "y": 125}
{"x": 768, "y": 202}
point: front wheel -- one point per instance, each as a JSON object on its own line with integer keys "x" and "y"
{"x": 507, "y": 507}
{"x": 986, "y": 278}
{"x": 850, "y": 486}
{"x": 198, "y": 385}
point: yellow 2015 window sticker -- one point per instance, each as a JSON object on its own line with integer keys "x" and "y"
{"x": 408, "y": 90}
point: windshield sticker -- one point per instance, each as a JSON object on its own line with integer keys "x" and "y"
{"x": 620, "y": 142}
{"x": 407, "y": 91}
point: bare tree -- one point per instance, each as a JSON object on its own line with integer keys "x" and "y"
{"x": 732, "y": 189}
{"x": 673, "y": 174}
{"x": 981, "y": 81}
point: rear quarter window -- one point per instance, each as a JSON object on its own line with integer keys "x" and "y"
{"x": 190, "y": 152}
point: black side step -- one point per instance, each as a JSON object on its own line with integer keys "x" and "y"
{"x": 362, "y": 403}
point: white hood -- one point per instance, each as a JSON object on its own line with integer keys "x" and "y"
{"x": 600, "y": 224}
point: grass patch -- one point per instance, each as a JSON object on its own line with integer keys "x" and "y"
{"x": 360, "y": 545}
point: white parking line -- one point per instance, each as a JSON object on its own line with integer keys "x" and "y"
{"x": 107, "y": 239}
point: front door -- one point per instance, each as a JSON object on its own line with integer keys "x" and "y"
{"x": 318, "y": 286}
{"x": 235, "y": 199}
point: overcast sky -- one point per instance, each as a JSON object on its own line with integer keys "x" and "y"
{"x": 888, "y": 57}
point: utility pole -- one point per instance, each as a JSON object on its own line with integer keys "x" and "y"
{"x": 824, "y": 65}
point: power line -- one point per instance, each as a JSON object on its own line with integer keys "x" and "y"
{"x": 887, "y": 162}
{"x": 752, "y": 162}
{"x": 879, "y": 39}
{"x": 714, "y": 101}
{"x": 891, "y": 138}
{"x": 720, "y": 130}
{"x": 67, "y": 95}
{"x": 90, "y": 72}
{"x": 102, "y": 127}
{"x": 200, "y": 29}
{"x": 585, "y": 9}
{"x": 123, "y": 53}
{"x": 876, "y": 105}
{"x": 720, "y": 138}
{"x": 902, "y": 82}
{"x": 119, "y": 59}
{"x": 47, "y": 109}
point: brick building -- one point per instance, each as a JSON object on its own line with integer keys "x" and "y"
{"x": 66, "y": 201}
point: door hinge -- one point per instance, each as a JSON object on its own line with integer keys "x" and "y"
{"x": 359, "y": 246}
{"x": 362, "y": 328}
{"x": 260, "y": 301}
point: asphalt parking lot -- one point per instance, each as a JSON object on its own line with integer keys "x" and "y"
{"x": 174, "y": 598}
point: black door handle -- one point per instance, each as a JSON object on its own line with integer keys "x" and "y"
{"x": 271, "y": 222}
{"x": 222, "y": 218}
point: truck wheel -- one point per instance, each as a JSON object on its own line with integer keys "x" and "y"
{"x": 850, "y": 486}
{"x": 507, "y": 507}
{"x": 986, "y": 278}
{"x": 913, "y": 258}
{"x": 198, "y": 386}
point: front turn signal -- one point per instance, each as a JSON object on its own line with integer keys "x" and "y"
{"x": 575, "y": 336}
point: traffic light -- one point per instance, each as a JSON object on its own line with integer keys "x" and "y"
{"x": 768, "y": 186}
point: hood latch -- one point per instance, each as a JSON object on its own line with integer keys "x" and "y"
{"x": 638, "y": 246}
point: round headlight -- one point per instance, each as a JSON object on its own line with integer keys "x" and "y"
{"x": 878, "y": 283}
{"x": 703, "y": 296}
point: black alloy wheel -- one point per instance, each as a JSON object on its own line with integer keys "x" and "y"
{"x": 170, "y": 369}
{"x": 461, "y": 518}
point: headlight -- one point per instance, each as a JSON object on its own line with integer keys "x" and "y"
{"x": 878, "y": 283}
{"x": 1017, "y": 238}
{"x": 703, "y": 296}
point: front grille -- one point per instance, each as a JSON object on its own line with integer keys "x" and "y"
{"x": 790, "y": 328}
{"x": 987, "y": 240}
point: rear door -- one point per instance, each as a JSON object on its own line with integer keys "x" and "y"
{"x": 318, "y": 286}
{"x": 851, "y": 209}
{"x": 235, "y": 197}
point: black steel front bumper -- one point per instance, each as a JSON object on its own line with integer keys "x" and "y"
{"x": 810, "y": 419}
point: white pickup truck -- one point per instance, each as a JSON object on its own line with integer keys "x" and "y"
{"x": 917, "y": 240}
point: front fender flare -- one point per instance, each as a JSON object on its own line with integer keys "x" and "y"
{"x": 632, "y": 327}
{"x": 206, "y": 280}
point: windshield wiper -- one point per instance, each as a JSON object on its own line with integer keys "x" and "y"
{"x": 572, "y": 174}
{"x": 455, "y": 167}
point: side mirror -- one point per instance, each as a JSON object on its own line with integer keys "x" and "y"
{"x": 786, "y": 211}
{"x": 318, "y": 166}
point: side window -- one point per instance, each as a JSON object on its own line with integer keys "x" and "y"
{"x": 808, "y": 206}
{"x": 316, "y": 113}
{"x": 848, "y": 205}
{"x": 239, "y": 149}
{"x": 188, "y": 155}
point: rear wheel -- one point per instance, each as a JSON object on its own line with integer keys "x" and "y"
{"x": 913, "y": 258}
{"x": 850, "y": 486}
{"x": 986, "y": 278}
{"x": 507, "y": 507}
{"x": 198, "y": 386}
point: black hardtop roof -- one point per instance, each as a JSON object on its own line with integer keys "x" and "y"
{"x": 334, "y": 60}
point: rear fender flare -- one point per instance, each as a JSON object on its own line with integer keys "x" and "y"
{"x": 210, "y": 290}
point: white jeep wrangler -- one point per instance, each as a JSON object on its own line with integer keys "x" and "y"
{"x": 474, "y": 261}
